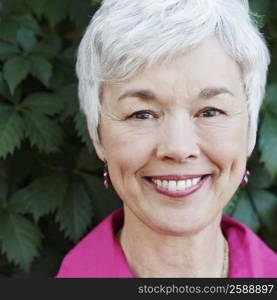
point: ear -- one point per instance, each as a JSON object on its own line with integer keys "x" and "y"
{"x": 96, "y": 142}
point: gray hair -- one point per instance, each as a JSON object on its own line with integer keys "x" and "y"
{"x": 125, "y": 36}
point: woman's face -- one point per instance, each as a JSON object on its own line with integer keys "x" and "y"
{"x": 175, "y": 121}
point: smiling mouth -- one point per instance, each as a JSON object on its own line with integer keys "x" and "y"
{"x": 177, "y": 187}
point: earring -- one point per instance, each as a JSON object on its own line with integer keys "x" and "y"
{"x": 245, "y": 177}
{"x": 106, "y": 176}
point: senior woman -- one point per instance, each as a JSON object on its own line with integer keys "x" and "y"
{"x": 171, "y": 90}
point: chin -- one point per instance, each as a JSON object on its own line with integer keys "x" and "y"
{"x": 178, "y": 226}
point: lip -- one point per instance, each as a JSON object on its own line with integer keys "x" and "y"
{"x": 177, "y": 194}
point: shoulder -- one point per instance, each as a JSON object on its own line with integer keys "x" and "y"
{"x": 93, "y": 255}
{"x": 249, "y": 255}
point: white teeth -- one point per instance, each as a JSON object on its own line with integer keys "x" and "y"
{"x": 195, "y": 180}
{"x": 179, "y": 185}
{"x": 172, "y": 185}
{"x": 164, "y": 184}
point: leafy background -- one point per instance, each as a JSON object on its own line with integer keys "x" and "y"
{"x": 51, "y": 187}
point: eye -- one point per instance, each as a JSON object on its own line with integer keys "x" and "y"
{"x": 211, "y": 112}
{"x": 143, "y": 115}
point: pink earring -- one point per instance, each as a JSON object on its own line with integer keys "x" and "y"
{"x": 245, "y": 177}
{"x": 106, "y": 176}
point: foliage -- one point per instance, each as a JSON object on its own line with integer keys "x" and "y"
{"x": 50, "y": 178}
{"x": 48, "y": 170}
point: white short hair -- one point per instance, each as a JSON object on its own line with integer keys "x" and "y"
{"x": 127, "y": 35}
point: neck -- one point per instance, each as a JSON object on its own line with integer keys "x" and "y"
{"x": 150, "y": 253}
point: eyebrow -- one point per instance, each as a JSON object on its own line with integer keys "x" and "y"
{"x": 142, "y": 94}
{"x": 213, "y": 91}
{"x": 206, "y": 93}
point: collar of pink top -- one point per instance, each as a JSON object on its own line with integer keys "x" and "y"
{"x": 99, "y": 253}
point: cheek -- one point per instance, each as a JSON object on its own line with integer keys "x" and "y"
{"x": 227, "y": 145}
{"x": 226, "y": 148}
{"x": 127, "y": 149}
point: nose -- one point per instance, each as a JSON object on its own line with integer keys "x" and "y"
{"x": 178, "y": 140}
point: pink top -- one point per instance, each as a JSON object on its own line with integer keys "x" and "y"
{"x": 99, "y": 253}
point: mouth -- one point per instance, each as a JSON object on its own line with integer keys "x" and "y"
{"x": 177, "y": 186}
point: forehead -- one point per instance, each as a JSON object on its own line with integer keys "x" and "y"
{"x": 207, "y": 65}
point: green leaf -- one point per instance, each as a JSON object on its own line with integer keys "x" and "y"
{"x": 82, "y": 130}
{"x": 7, "y": 50}
{"x": 75, "y": 213}
{"x": 17, "y": 96}
{"x": 17, "y": 9}
{"x": 260, "y": 7}
{"x": 266, "y": 205}
{"x": 88, "y": 161}
{"x": 26, "y": 38}
{"x": 79, "y": 12}
{"x": 42, "y": 131}
{"x": 5, "y": 109}
{"x": 45, "y": 103}
{"x": 23, "y": 161}
{"x": 40, "y": 197}
{"x": 63, "y": 75}
{"x": 56, "y": 11}
{"x": 16, "y": 70}
{"x": 259, "y": 10}
{"x": 37, "y": 6}
{"x": 45, "y": 50}
{"x": 8, "y": 31}
{"x": 41, "y": 69}
{"x": 69, "y": 54}
{"x": 27, "y": 21}
{"x": 96, "y": 2}
{"x": 95, "y": 187}
{"x": 259, "y": 178}
{"x": 268, "y": 142}
{"x": 69, "y": 97}
{"x": 53, "y": 40}
{"x": 245, "y": 213}
{"x": 20, "y": 239}
{"x": 3, "y": 191}
{"x": 11, "y": 130}
{"x": 46, "y": 265}
{"x": 270, "y": 103}
{"x": 269, "y": 237}
{"x": 4, "y": 90}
